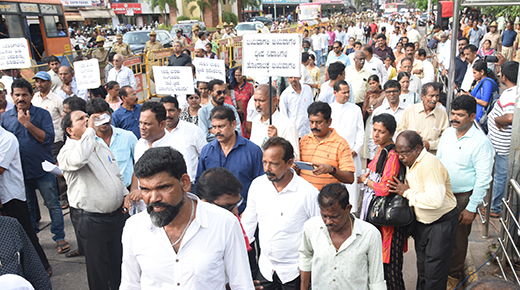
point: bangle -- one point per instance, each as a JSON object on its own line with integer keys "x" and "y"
{"x": 366, "y": 181}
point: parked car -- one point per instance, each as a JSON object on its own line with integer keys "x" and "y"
{"x": 138, "y": 39}
{"x": 423, "y": 19}
{"x": 250, "y": 27}
{"x": 266, "y": 21}
{"x": 186, "y": 26}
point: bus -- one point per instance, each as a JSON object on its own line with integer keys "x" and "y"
{"x": 392, "y": 7}
{"x": 41, "y": 22}
{"x": 319, "y": 9}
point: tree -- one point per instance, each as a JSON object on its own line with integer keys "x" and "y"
{"x": 251, "y": 4}
{"x": 162, "y": 7}
{"x": 202, "y": 4}
{"x": 510, "y": 11}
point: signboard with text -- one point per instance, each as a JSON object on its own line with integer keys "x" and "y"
{"x": 14, "y": 53}
{"x": 87, "y": 74}
{"x": 76, "y": 3}
{"x": 126, "y": 8}
{"x": 171, "y": 80}
{"x": 209, "y": 69}
{"x": 272, "y": 54}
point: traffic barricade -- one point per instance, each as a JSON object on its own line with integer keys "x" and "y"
{"x": 135, "y": 63}
{"x": 154, "y": 58}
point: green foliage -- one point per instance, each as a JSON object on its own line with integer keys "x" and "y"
{"x": 182, "y": 17}
{"x": 164, "y": 27}
{"x": 195, "y": 17}
{"x": 230, "y": 17}
{"x": 510, "y": 11}
{"x": 162, "y": 4}
{"x": 202, "y": 4}
{"x": 255, "y": 4}
{"x": 423, "y": 4}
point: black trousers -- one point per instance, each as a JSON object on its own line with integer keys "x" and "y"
{"x": 461, "y": 241}
{"x": 18, "y": 209}
{"x": 434, "y": 247}
{"x": 277, "y": 283}
{"x": 100, "y": 236}
{"x": 62, "y": 186}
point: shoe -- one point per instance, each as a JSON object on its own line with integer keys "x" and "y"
{"x": 452, "y": 283}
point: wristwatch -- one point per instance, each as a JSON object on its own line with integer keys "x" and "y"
{"x": 365, "y": 182}
{"x": 333, "y": 171}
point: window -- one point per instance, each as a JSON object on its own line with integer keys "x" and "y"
{"x": 54, "y": 26}
{"x": 12, "y": 27}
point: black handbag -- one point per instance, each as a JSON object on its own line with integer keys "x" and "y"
{"x": 391, "y": 210}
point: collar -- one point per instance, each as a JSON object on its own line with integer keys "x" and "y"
{"x": 420, "y": 157}
{"x": 39, "y": 95}
{"x": 357, "y": 230}
{"x": 332, "y": 134}
{"x": 469, "y": 134}
{"x": 239, "y": 142}
{"x": 292, "y": 185}
{"x": 201, "y": 215}
{"x": 274, "y": 116}
{"x": 423, "y": 110}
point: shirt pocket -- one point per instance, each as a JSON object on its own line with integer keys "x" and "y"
{"x": 463, "y": 159}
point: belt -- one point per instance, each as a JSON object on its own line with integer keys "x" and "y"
{"x": 111, "y": 214}
{"x": 464, "y": 193}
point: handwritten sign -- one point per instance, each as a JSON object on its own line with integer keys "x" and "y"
{"x": 209, "y": 69}
{"x": 14, "y": 53}
{"x": 170, "y": 80}
{"x": 272, "y": 54}
{"x": 87, "y": 74}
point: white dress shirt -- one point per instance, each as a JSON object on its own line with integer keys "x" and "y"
{"x": 284, "y": 127}
{"x": 359, "y": 79}
{"x": 8, "y": 82}
{"x": 347, "y": 120}
{"x": 124, "y": 77}
{"x": 193, "y": 138}
{"x": 211, "y": 254}
{"x": 75, "y": 91}
{"x": 376, "y": 67}
{"x": 468, "y": 77}
{"x": 54, "y": 104}
{"x": 306, "y": 76}
{"x": 55, "y": 79}
{"x": 415, "y": 84}
{"x": 429, "y": 72}
{"x": 167, "y": 140}
{"x": 280, "y": 217}
{"x": 358, "y": 264}
{"x": 294, "y": 106}
{"x": 327, "y": 93}
{"x": 12, "y": 184}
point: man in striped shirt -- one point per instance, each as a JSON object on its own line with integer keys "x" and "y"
{"x": 500, "y": 121}
{"x": 328, "y": 152}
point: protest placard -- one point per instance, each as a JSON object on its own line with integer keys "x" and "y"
{"x": 209, "y": 69}
{"x": 170, "y": 80}
{"x": 87, "y": 74}
{"x": 14, "y": 53}
{"x": 273, "y": 54}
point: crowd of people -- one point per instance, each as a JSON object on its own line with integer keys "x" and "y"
{"x": 227, "y": 189}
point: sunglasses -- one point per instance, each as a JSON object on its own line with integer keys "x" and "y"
{"x": 231, "y": 207}
{"x": 221, "y": 92}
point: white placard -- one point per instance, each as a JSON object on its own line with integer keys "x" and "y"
{"x": 209, "y": 69}
{"x": 171, "y": 80}
{"x": 87, "y": 74}
{"x": 272, "y": 54}
{"x": 14, "y": 53}
{"x": 49, "y": 167}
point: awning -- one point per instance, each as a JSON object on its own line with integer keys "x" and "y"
{"x": 97, "y": 13}
{"x": 74, "y": 16}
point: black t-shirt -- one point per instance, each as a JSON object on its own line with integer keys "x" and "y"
{"x": 182, "y": 60}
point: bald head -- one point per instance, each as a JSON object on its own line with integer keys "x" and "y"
{"x": 118, "y": 61}
{"x": 261, "y": 99}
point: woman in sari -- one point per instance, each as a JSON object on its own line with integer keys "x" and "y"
{"x": 373, "y": 99}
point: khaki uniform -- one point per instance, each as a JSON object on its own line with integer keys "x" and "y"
{"x": 149, "y": 46}
{"x": 182, "y": 39}
{"x": 494, "y": 38}
{"x": 194, "y": 38}
{"x": 123, "y": 49}
{"x": 101, "y": 54}
{"x": 217, "y": 36}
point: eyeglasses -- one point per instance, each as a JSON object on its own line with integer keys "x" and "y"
{"x": 231, "y": 207}
{"x": 392, "y": 92}
{"x": 405, "y": 153}
{"x": 336, "y": 47}
{"x": 221, "y": 92}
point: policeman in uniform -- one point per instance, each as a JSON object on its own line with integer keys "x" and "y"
{"x": 180, "y": 37}
{"x": 218, "y": 35}
{"x": 195, "y": 29}
{"x": 152, "y": 44}
{"x": 100, "y": 52}
{"x": 121, "y": 47}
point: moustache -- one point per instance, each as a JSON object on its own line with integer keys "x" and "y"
{"x": 270, "y": 174}
{"x": 219, "y": 135}
{"x": 454, "y": 122}
{"x": 169, "y": 118}
{"x": 315, "y": 130}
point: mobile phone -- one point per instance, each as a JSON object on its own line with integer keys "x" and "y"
{"x": 491, "y": 58}
{"x": 304, "y": 165}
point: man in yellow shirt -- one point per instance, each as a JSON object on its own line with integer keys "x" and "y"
{"x": 152, "y": 44}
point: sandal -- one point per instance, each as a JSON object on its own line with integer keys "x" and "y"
{"x": 73, "y": 254}
{"x": 494, "y": 215}
{"x": 49, "y": 271}
{"x": 63, "y": 247}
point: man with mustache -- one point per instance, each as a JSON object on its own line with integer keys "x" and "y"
{"x": 69, "y": 87}
{"x": 96, "y": 192}
{"x": 217, "y": 90}
{"x": 338, "y": 249}
{"x": 279, "y": 203}
{"x": 180, "y": 241}
{"x": 282, "y": 126}
{"x": 328, "y": 152}
{"x": 469, "y": 179}
{"x": 33, "y": 128}
{"x": 127, "y": 116}
{"x": 426, "y": 118}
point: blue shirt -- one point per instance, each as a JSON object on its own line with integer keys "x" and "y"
{"x": 128, "y": 120}
{"x": 469, "y": 161}
{"x": 332, "y": 58}
{"x": 32, "y": 152}
{"x": 122, "y": 144}
{"x": 483, "y": 91}
{"x": 508, "y": 37}
{"x": 205, "y": 121}
{"x": 244, "y": 161}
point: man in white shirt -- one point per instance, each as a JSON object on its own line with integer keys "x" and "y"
{"x": 374, "y": 65}
{"x": 340, "y": 35}
{"x": 394, "y": 38}
{"x": 413, "y": 35}
{"x": 282, "y": 126}
{"x": 429, "y": 72}
{"x": 54, "y": 65}
{"x": 336, "y": 73}
{"x": 69, "y": 87}
{"x": 279, "y": 203}
{"x": 189, "y": 134}
{"x": 317, "y": 46}
{"x": 358, "y": 75}
{"x": 415, "y": 82}
{"x": 470, "y": 52}
{"x": 180, "y": 241}
{"x": 7, "y": 79}
{"x": 294, "y": 102}
{"x": 96, "y": 192}
{"x": 306, "y": 76}
{"x": 121, "y": 74}
{"x": 347, "y": 120}
{"x": 339, "y": 251}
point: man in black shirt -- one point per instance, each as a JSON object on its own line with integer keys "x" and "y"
{"x": 178, "y": 58}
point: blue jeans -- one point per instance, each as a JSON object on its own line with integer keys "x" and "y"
{"x": 49, "y": 191}
{"x": 318, "y": 57}
{"x": 499, "y": 182}
{"x": 324, "y": 56}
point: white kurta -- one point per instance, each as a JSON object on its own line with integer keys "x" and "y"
{"x": 347, "y": 120}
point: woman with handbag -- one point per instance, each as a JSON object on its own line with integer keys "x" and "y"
{"x": 484, "y": 85}
{"x": 384, "y": 167}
